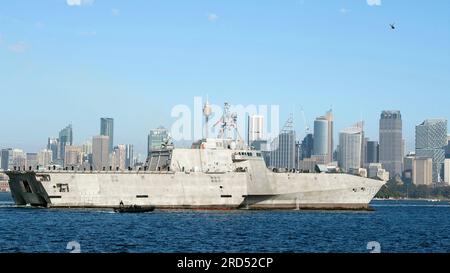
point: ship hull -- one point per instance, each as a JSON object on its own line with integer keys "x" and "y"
{"x": 220, "y": 191}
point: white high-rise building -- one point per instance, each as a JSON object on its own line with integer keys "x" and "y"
{"x": 86, "y": 148}
{"x": 119, "y": 157}
{"x": 423, "y": 171}
{"x": 45, "y": 157}
{"x": 53, "y": 145}
{"x": 19, "y": 158}
{"x": 350, "y": 145}
{"x": 255, "y": 128}
{"x": 100, "y": 152}
{"x": 32, "y": 161}
{"x": 447, "y": 171}
{"x": 129, "y": 156}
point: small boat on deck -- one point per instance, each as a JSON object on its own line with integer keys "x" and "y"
{"x": 134, "y": 209}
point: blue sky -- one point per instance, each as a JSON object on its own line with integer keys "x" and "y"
{"x": 135, "y": 60}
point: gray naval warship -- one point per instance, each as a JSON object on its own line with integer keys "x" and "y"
{"x": 215, "y": 173}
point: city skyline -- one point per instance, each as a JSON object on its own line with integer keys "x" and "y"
{"x": 353, "y": 153}
{"x": 77, "y": 70}
{"x": 300, "y": 132}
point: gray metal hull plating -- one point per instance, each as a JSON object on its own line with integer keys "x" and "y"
{"x": 180, "y": 190}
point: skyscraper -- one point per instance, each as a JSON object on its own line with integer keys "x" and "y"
{"x": 7, "y": 159}
{"x": 423, "y": 171}
{"x": 298, "y": 154}
{"x": 330, "y": 118}
{"x": 129, "y": 156}
{"x": 321, "y": 137}
{"x": 447, "y": 172}
{"x": 255, "y": 129}
{"x": 73, "y": 156}
{"x": 32, "y": 160}
{"x": 283, "y": 148}
{"x": 100, "y": 152}
{"x": 86, "y": 149}
{"x": 431, "y": 141}
{"x": 19, "y": 158}
{"x": 372, "y": 152}
{"x": 119, "y": 157}
{"x": 157, "y": 138}
{"x": 107, "y": 129}
{"x": 447, "y": 149}
{"x": 53, "y": 145}
{"x": 45, "y": 158}
{"x": 65, "y": 139}
{"x": 283, "y": 151}
{"x": 364, "y": 150}
{"x": 307, "y": 146}
{"x": 350, "y": 145}
{"x": 391, "y": 139}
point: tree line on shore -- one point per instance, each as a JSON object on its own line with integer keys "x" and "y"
{"x": 403, "y": 190}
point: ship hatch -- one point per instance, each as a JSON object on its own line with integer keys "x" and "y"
{"x": 63, "y": 187}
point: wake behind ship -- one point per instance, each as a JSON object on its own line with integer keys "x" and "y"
{"x": 216, "y": 173}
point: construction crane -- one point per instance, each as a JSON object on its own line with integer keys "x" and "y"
{"x": 307, "y": 128}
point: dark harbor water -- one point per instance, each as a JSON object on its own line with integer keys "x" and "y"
{"x": 398, "y": 226}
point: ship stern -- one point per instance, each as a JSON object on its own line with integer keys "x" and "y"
{"x": 26, "y": 189}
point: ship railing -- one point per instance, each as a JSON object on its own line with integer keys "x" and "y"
{"x": 89, "y": 171}
{"x": 104, "y": 172}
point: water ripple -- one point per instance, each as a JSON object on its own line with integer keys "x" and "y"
{"x": 399, "y": 226}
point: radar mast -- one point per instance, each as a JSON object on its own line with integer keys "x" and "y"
{"x": 207, "y": 112}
